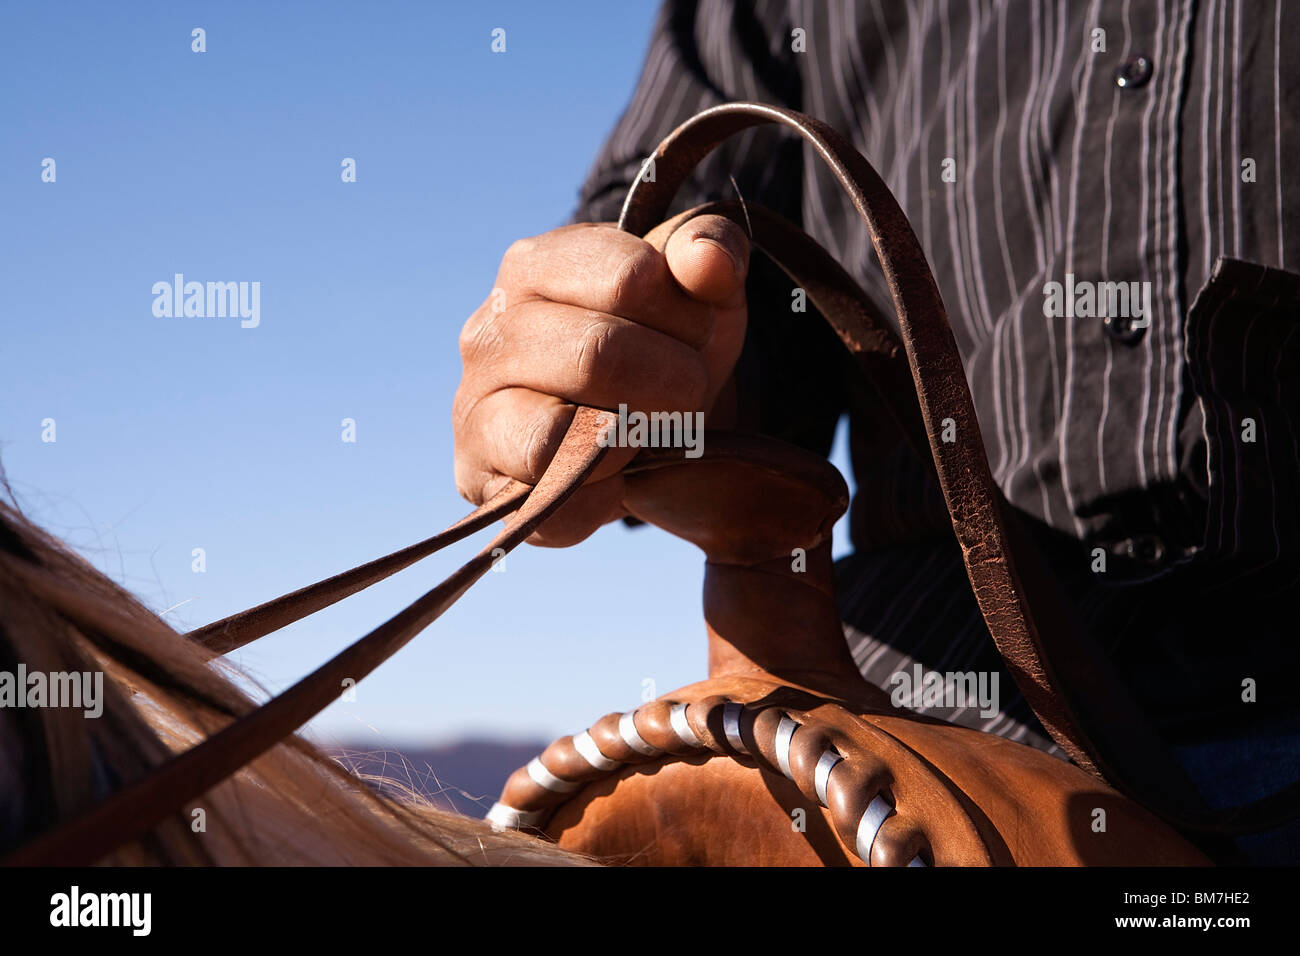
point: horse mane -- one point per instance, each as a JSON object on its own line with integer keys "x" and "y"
{"x": 162, "y": 694}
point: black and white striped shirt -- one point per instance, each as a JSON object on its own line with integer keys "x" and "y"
{"x": 1031, "y": 142}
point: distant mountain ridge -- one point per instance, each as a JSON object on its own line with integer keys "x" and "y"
{"x": 465, "y": 777}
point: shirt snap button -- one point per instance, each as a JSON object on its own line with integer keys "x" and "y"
{"x": 1145, "y": 549}
{"x": 1124, "y": 328}
{"x": 1133, "y": 72}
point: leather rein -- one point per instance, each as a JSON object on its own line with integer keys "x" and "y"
{"x": 920, "y": 381}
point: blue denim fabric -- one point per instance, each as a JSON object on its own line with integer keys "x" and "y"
{"x": 1231, "y": 771}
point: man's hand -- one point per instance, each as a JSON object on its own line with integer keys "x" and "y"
{"x": 589, "y": 315}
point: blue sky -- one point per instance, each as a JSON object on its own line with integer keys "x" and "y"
{"x": 180, "y": 433}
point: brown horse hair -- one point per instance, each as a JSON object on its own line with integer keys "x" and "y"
{"x": 162, "y": 694}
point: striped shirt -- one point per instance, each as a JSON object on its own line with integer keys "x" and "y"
{"x": 1086, "y": 144}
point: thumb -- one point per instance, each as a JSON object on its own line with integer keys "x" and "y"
{"x": 709, "y": 258}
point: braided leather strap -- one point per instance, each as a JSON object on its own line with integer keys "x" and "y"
{"x": 809, "y": 746}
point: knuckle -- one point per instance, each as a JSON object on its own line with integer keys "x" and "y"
{"x": 468, "y": 337}
{"x": 642, "y": 275}
{"x": 462, "y": 403}
{"x": 469, "y": 482}
{"x": 540, "y": 441}
{"x": 480, "y": 335}
{"x": 595, "y": 355}
{"x": 519, "y": 251}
